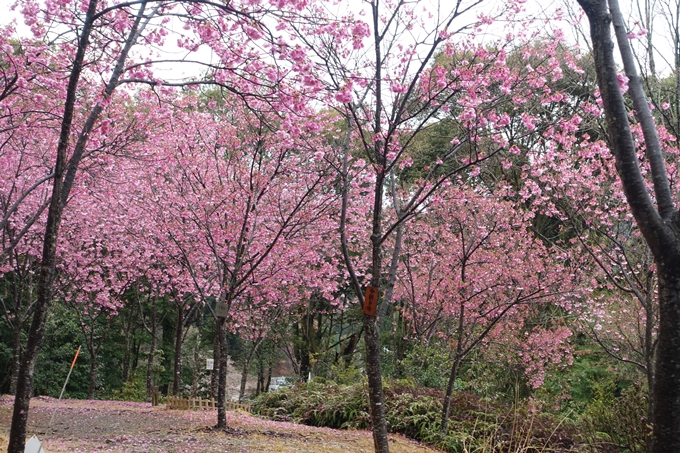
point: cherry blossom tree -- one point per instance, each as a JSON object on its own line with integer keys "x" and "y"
{"x": 97, "y": 42}
{"x": 241, "y": 203}
{"x": 474, "y": 273}
{"x": 418, "y": 72}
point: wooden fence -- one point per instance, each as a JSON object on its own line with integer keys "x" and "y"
{"x": 173, "y": 402}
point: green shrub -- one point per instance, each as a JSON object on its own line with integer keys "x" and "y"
{"x": 428, "y": 365}
{"x": 414, "y": 411}
{"x": 134, "y": 389}
{"x": 317, "y": 404}
{"x": 617, "y": 423}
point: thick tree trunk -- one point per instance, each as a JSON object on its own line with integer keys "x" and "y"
{"x": 64, "y": 177}
{"x": 375, "y": 391}
{"x": 177, "y": 370}
{"x": 370, "y": 325}
{"x": 666, "y": 392}
{"x": 222, "y": 377}
{"x": 215, "y": 374}
{"x": 22, "y": 399}
{"x": 93, "y": 376}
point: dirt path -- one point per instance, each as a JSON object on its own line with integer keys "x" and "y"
{"x": 116, "y": 426}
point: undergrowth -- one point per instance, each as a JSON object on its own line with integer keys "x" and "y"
{"x": 476, "y": 425}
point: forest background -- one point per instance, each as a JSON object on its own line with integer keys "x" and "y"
{"x": 455, "y": 158}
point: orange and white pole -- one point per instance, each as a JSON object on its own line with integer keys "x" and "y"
{"x": 64, "y": 387}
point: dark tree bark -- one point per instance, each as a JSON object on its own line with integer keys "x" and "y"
{"x": 457, "y": 359}
{"x": 659, "y": 225}
{"x": 22, "y": 289}
{"x": 152, "y": 350}
{"x": 93, "y": 340}
{"x": 370, "y": 324}
{"x": 351, "y": 346}
{"x": 260, "y": 375}
{"x": 127, "y": 356}
{"x": 222, "y": 375}
{"x": 93, "y": 378}
{"x": 177, "y": 368}
{"x": 215, "y": 374}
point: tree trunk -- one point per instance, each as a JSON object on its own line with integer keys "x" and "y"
{"x": 350, "y": 347}
{"x": 260, "y": 374}
{"x": 93, "y": 376}
{"x": 152, "y": 352}
{"x": 666, "y": 392}
{"x": 127, "y": 355}
{"x": 136, "y": 346}
{"x": 244, "y": 379}
{"x": 400, "y": 344}
{"x": 375, "y": 391}
{"x": 64, "y": 177}
{"x": 197, "y": 366}
{"x": 650, "y": 353}
{"x": 457, "y": 359}
{"x": 268, "y": 381}
{"x": 215, "y": 374}
{"x": 222, "y": 379}
{"x": 446, "y": 409}
{"x": 305, "y": 365}
{"x": 177, "y": 371}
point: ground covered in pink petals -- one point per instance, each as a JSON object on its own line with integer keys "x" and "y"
{"x": 117, "y": 426}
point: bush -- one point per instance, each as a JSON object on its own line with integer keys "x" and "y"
{"x": 415, "y": 411}
{"x": 134, "y": 389}
{"x": 428, "y": 365}
{"x": 317, "y": 404}
{"x": 614, "y": 423}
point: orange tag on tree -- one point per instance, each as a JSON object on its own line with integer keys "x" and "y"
{"x": 370, "y": 301}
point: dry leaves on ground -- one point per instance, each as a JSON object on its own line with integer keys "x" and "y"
{"x": 123, "y": 427}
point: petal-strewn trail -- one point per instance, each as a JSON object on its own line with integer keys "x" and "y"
{"x": 124, "y": 427}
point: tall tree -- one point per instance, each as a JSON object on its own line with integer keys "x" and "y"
{"x": 657, "y": 217}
